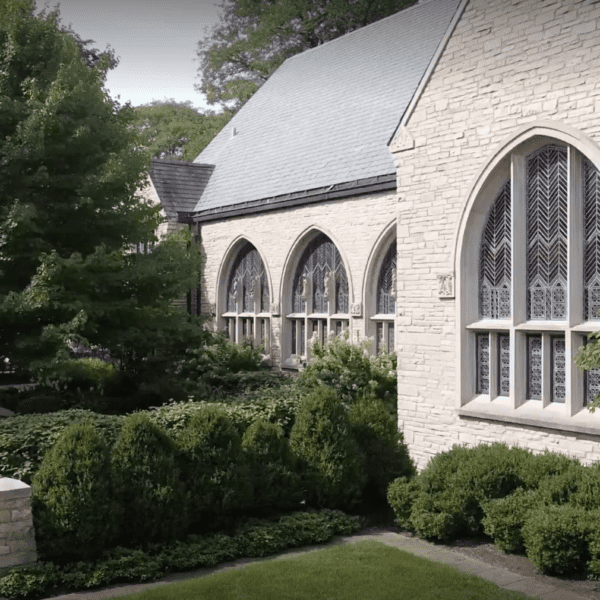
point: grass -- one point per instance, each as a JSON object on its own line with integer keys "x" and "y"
{"x": 363, "y": 570}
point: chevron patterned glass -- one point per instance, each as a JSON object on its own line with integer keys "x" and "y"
{"x": 319, "y": 259}
{"x": 386, "y": 295}
{"x": 592, "y": 241}
{"x": 547, "y": 197}
{"x": 495, "y": 259}
{"x": 247, "y": 278}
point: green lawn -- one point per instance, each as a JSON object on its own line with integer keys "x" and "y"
{"x": 363, "y": 570}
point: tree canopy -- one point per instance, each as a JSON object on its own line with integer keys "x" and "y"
{"x": 176, "y": 130}
{"x": 71, "y": 165}
{"x": 253, "y": 37}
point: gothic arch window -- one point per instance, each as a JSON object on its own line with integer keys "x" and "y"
{"x": 247, "y": 304}
{"x": 320, "y": 300}
{"x": 385, "y": 302}
{"x": 538, "y": 282}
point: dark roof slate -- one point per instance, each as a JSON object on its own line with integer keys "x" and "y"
{"x": 179, "y": 184}
{"x": 325, "y": 116}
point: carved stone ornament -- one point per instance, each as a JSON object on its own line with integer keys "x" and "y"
{"x": 275, "y": 311}
{"x": 305, "y": 288}
{"x": 403, "y": 140}
{"x": 356, "y": 309}
{"x": 446, "y": 285}
{"x": 330, "y": 286}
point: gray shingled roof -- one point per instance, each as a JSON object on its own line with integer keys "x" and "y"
{"x": 179, "y": 184}
{"x": 325, "y": 116}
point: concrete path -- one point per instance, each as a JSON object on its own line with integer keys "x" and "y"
{"x": 500, "y": 576}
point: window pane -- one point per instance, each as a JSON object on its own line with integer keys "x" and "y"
{"x": 390, "y": 337}
{"x": 534, "y": 367}
{"x": 483, "y": 363}
{"x": 547, "y": 233}
{"x": 379, "y": 338}
{"x": 495, "y": 260}
{"x": 559, "y": 370}
{"x": 294, "y": 340}
{"x": 248, "y": 281}
{"x": 386, "y": 284}
{"x": 592, "y": 241}
{"x": 503, "y": 364}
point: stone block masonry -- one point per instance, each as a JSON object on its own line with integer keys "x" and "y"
{"x": 17, "y": 539}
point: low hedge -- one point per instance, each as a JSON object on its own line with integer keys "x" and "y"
{"x": 254, "y": 538}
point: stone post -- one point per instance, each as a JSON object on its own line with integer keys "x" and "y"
{"x": 17, "y": 540}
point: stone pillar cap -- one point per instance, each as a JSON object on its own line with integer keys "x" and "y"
{"x": 6, "y": 484}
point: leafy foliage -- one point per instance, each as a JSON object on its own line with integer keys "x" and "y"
{"x": 148, "y": 483}
{"x": 352, "y": 371}
{"x": 322, "y": 439}
{"x": 254, "y": 37}
{"x": 254, "y": 538}
{"x": 76, "y": 514}
{"x": 587, "y": 359}
{"x": 175, "y": 130}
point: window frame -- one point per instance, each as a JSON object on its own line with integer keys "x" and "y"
{"x": 517, "y": 408}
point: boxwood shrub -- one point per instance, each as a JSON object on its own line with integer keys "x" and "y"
{"x": 148, "y": 483}
{"x": 76, "y": 514}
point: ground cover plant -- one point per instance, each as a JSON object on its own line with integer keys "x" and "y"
{"x": 254, "y": 538}
{"x": 363, "y": 570}
{"x": 545, "y": 505}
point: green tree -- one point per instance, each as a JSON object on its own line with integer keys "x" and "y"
{"x": 176, "y": 130}
{"x": 70, "y": 167}
{"x": 254, "y": 37}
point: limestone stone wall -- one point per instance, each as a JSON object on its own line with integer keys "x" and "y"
{"x": 355, "y": 225}
{"x": 507, "y": 64}
{"x": 17, "y": 540}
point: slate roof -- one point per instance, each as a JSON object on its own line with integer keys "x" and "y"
{"x": 179, "y": 184}
{"x": 325, "y": 117}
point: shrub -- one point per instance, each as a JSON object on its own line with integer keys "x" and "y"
{"x": 587, "y": 494}
{"x": 538, "y": 468}
{"x": 213, "y": 468}
{"x": 555, "y": 538}
{"x": 401, "y": 495}
{"x": 504, "y": 518}
{"x": 561, "y": 488}
{"x": 146, "y": 470}
{"x": 593, "y": 566}
{"x": 377, "y": 435}
{"x": 274, "y": 475}
{"x": 74, "y": 507}
{"x": 352, "y": 371}
{"x": 322, "y": 439}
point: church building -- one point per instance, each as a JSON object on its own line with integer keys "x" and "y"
{"x": 431, "y": 182}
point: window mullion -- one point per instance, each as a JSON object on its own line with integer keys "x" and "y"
{"x": 575, "y": 251}
{"x": 519, "y": 239}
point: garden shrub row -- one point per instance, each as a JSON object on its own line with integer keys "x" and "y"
{"x": 153, "y": 485}
{"x": 546, "y": 505}
{"x": 255, "y": 538}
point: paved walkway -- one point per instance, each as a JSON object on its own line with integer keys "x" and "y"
{"x": 499, "y": 575}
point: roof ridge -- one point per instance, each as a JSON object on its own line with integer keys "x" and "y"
{"x": 181, "y": 162}
{"x": 416, "y": 5}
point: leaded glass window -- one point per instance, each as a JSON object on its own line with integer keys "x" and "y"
{"x": 386, "y": 285}
{"x": 504, "y": 364}
{"x": 592, "y": 241}
{"x": 483, "y": 363}
{"x": 547, "y": 196}
{"x": 495, "y": 260}
{"x": 534, "y": 367}
{"x": 559, "y": 369}
{"x": 321, "y": 275}
{"x": 247, "y": 297}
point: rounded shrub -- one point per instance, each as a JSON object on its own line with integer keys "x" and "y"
{"x": 213, "y": 468}
{"x": 587, "y": 494}
{"x": 401, "y": 495}
{"x": 556, "y": 538}
{"x": 537, "y": 468}
{"x": 504, "y": 518}
{"x": 322, "y": 439}
{"x": 149, "y": 486}
{"x": 275, "y": 478}
{"x": 76, "y": 514}
{"x": 376, "y": 432}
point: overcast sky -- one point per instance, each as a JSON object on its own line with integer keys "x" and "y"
{"x": 156, "y": 41}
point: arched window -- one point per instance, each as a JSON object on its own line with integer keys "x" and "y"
{"x": 538, "y": 281}
{"x": 320, "y": 296}
{"x": 247, "y": 299}
{"x": 386, "y": 302}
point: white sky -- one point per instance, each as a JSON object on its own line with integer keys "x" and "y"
{"x": 156, "y": 41}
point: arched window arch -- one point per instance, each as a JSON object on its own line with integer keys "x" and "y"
{"x": 536, "y": 277}
{"x": 320, "y": 299}
{"x": 385, "y": 302}
{"x": 247, "y": 298}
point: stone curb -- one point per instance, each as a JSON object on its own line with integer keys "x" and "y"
{"x": 500, "y": 576}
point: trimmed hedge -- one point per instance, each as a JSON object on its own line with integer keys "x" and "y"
{"x": 254, "y": 538}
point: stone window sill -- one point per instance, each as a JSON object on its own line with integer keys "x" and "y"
{"x": 532, "y": 414}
